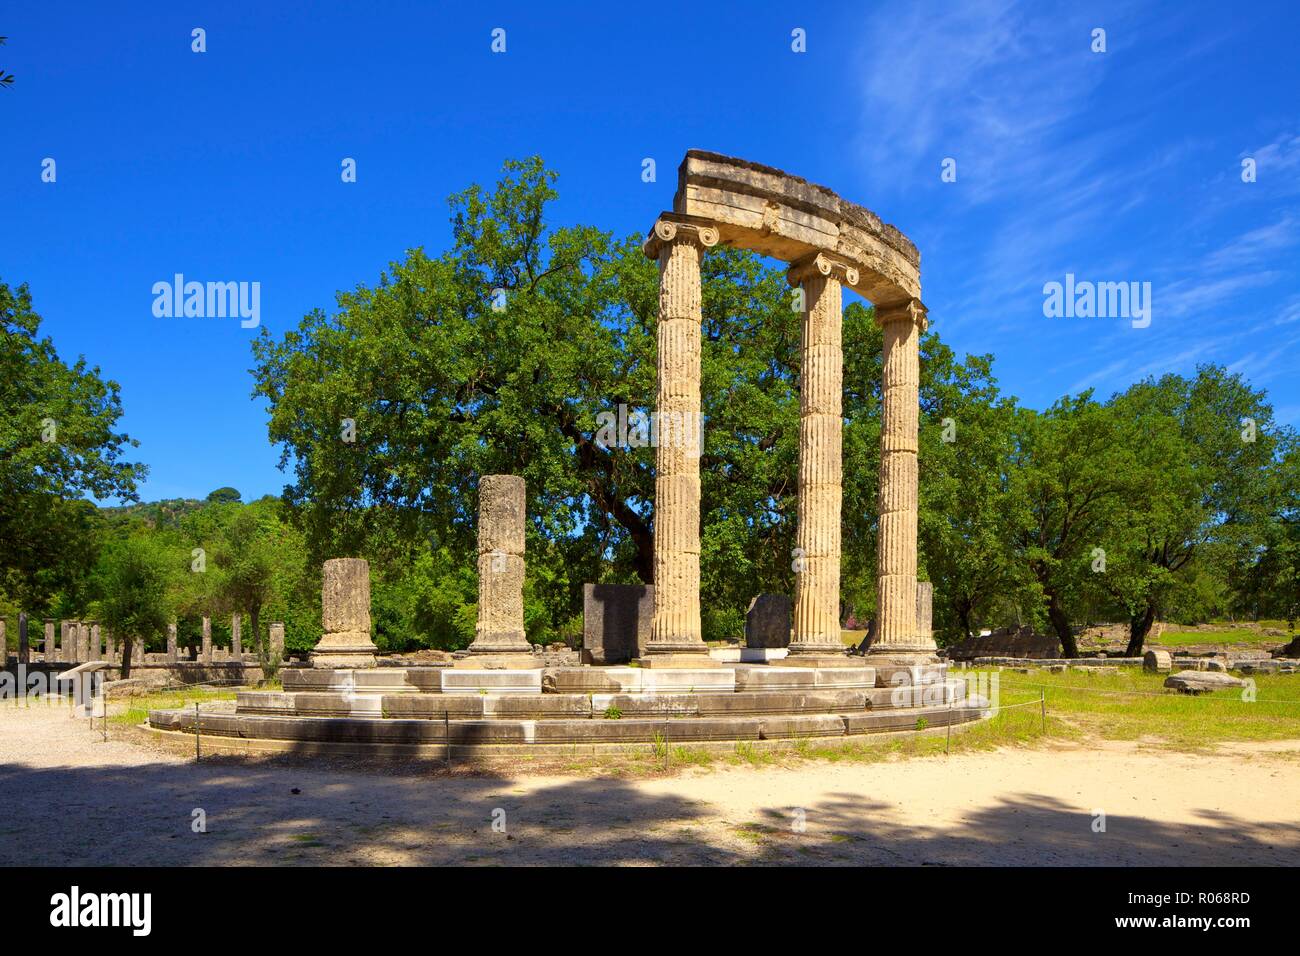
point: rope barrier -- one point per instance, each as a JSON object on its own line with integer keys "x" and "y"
{"x": 1001, "y": 707}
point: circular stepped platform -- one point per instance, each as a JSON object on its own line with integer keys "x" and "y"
{"x": 437, "y": 712}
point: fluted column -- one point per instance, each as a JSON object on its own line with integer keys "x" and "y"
{"x": 345, "y": 616}
{"x": 902, "y": 326}
{"x": 817, "y": 539}
{"x": 678, "y": 245}
{"x": 501, "y": 519}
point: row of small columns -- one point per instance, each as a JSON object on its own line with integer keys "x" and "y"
{"x": 679, "y": 245}
{"x": 81, "y": 641}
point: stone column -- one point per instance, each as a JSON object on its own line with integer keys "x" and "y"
{"x": 236, "y": 637}
{"x": 678, "y": 244}
{"x": 4, "y": 644}
{"x": 83, "y": 641}
{"x": 171, "y": 643}
{"x": 896, "y": 565}
{"x": 925, "y": 610}
{"x": 51, "y": 647}
{"x": 95, "y": 645}
{"x": 501, "y": 507}
{"x": 67, "y": 642}
{"x": 345, "y": 614}
{"x": 275, "y": 635}
{"x": 24, "y": 648}
{"x": 205, "y": 653}
{"x": 817, "y": 540}
{"x": 110, "y": 646}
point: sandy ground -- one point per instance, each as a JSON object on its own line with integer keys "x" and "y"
{"x": 68, "y": 797}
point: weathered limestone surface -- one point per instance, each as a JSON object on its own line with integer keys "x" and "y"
{"x": 675, "y": 637}
{"x": 96, "y": 647}
{"x": 236, "y": 636}
{"x": 1202, "y": 682}
{"x": 24, "y": 645}
{"x": 925, "y": 609}
{"x": 205, "y": 651}
{"x": 50, "y": 646}
{"x": 110, "y": 646}
{"x": 83, "y": 641}
{"x": 501, "y": 514}
{"x": 616, "y": 621}
{"x": 1157, "y": 661}
{"x": 817, "y": 539}
{"x": 761, "y": 208}
{"x": 276, "y": 638}
{"x": 896, "y": 564}
{"x": 171, "y": 643}
{"x": 767, "y": 622}
{"x": 345, "y": 616}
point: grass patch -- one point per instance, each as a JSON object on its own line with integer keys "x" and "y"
{"x": 137, "y": 708}
{"x": 1236, "y": 635}
{"x": 1132, "y": 705}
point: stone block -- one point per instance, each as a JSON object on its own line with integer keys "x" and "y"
{"x": 593, "y": 680}
{"x": 1202, "y": 682}
{"x": 688, "y": 680}
{"x": 749, "y": 655}
{"x": 767, "y": 622}
{"x": 616, "y": 621}
{"x": 1157, "y": 661}
{"x": 461, "y": 680}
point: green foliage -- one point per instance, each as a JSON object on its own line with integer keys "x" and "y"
{"x": 57, "y": 444}
{"x": 500, "y": 354}
{"x": 135, "y": 578}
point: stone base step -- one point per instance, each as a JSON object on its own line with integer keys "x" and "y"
{"x": 589, "y": 706}
{"x": 517, "y": 732}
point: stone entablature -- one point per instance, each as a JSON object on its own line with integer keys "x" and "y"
{"x": 761, "y": 208}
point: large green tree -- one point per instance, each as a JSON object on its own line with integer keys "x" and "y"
{"x": 58, "y": 444}
{"x": 1202, "y": 450}
{"x": 504, "y": 353}
{"x": 136, "y": 578}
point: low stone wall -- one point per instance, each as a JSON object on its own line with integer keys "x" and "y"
{"x": 1022, "y": 645}
{"x": 1056, "y": 662}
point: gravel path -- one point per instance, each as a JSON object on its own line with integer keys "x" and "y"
{"x": 68, "y": 797}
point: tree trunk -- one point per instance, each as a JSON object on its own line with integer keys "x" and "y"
{"x": 963, "y": 617}
{"x": 1138, "y": 629}
{"x": 1061, "y": 624}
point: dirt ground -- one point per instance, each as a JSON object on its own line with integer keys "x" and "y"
{"x": 68, "y": 797}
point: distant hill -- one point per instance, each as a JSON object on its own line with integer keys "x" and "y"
{"x": 160, "y": 514}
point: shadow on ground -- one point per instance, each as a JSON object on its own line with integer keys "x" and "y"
{"x": 287, "y": 813}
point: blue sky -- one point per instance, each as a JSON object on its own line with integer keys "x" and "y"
{"x": 1115, "y": 166}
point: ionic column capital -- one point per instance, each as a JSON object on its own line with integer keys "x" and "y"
{"x": 670, "y": 228}
{"x": 820, "y": 263}
{"x": 913, "y": 310}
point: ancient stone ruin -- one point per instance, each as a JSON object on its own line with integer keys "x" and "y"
{"x": 648, "y": 675}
